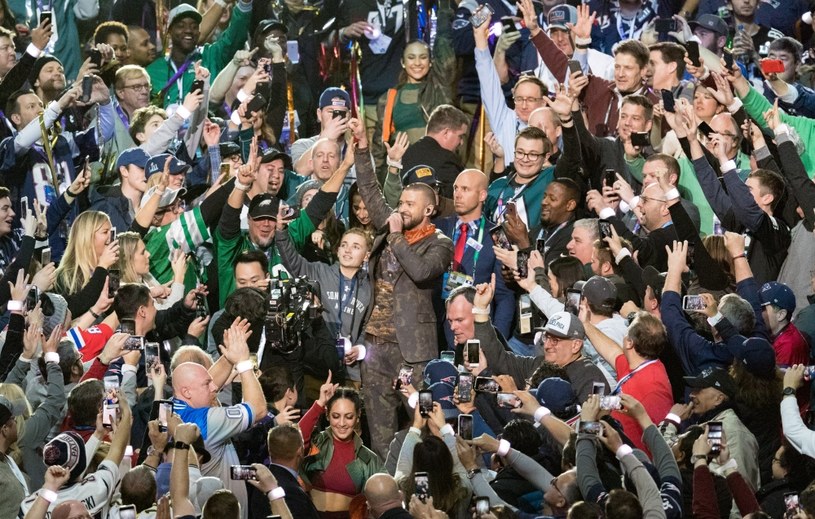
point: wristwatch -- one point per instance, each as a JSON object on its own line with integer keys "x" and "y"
{"x": 471, "y": 474}
{"x": 789, "y": 391}
{"x": 181, "y": 445}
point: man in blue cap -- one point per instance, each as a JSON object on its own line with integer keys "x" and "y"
{"x": 121, "y": 202}
{"x": 778, "y": 305}
{"x": 333, "y": 114}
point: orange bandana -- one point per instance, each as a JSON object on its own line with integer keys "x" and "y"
{"x": 416, "y": 235}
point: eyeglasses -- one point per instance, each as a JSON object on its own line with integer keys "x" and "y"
{"x": 552, "y": 339}
{"x": 526, "y": 100}
{"x": 553, "y": 483}
{"x": 140, "y": 87}
{"x": 528, "y": 155}
{"x": 647, "y": 198}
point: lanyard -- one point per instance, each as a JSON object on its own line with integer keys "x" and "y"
{"x": 501, "y": 205}
{"x": 481, "y": 224}
{"x": 47, "y": 146}
{"x": 122, "y": 115}
{"x": 623, "y": 380}
{"x": 552, "y": 234}
{"x": 343, "y": 302}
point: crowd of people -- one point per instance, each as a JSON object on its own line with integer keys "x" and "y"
{"x": 419, "y": 258}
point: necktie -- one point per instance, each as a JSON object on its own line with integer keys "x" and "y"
{"x": 461, "y": 243}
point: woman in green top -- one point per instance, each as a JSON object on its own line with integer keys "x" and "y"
{"x": 423, "y": 84}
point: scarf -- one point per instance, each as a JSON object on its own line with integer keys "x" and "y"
{"x": 414, "y": 236}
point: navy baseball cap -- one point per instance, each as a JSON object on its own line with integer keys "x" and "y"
{"x": 756, "y": 355}
{"x": 336, "y": 97}
{"x": 777, "y": 294}
{"x": 557, "y": 395}
{"x": 710, "y": 22}
{"x": 264, "y": 206}
{"x": 156, "y": 165}
{"x": 420, "y": 173}
{"x": 133, "y": 156}
{"x": 560, "y": 15}
{"x": 443, "y": 395}
{"x": 438, "y": 370}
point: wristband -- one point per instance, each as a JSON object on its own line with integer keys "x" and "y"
{"x": 713, "y": 321}
{"x": 623, "y": 450}
{"x": 448, "y": 429}
{"x": 621, "y": 255}
{"x": 221, "y": 3}
{"x": 541, "y": 413}
{"x": 413, "y": 401}
{"x": 672, "y": 194}
{"x": 48, "y": 495}
{"x": 742, "y": 255}
{"x": 581, "y": 46}
{"x": 276, "y": 493}
{"x": 503, "y": 448}
{"x": 481, "y": 311}
{"x": 183, "y": 112}
{"x": 71, "y": 193}
{"x": 235, "y": 118}
{"x": 15, "y": 306}
{"x": 241, "y": 187}
{"x": 52, "y": 356}
{"x": 674, "y": 418}
{"x": 244, "y": 366}
{"x": 181, "y": 446}
{"x": 583, "y": 41}
{"x": 394, "y": 163}
{"x": 570, "y": 119}
{"x": 782, "y": 128}
{"x": 242, "y": 95}
{"x": 94, "y": 314}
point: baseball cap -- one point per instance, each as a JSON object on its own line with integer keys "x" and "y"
{"x": 229, "y": 149}
{"x": 653, "y": 278}
{"x": 560, "y": 15}
{"x": 135, "y": 156}
{"x": 156, "y": 165}
{"x": 272, "y": 154}
{"x": 8, "y": 410}
{"x": 167, "y": 198}
{"x": 600, "y": 292}
{"x": 443, "y": 395}
{"x": 778, "y": 294}
{"x": 565, "y": 326}
{"x": 710, "y": 22}
{"x": 557, "y": 395}
{"x": 336, "y": 97}
{"x": 420, "y": 173}
{"x": 183, "y": 11}
{"x": 67, "y": 450}
{"x": 264, "y": 206}
{"x": 716, "y": 378}
{"x": 438, "y": 370}
{"x": 271, "y": 23}
{"x": 756, "y": 355}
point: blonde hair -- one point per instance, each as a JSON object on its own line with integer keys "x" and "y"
{"x": 128, "y": 245}
{"x": 15, "y": 395}
{"x": 129, "y": 72}
{"x": 80, "y": 259}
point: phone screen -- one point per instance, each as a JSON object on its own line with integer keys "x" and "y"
{"x": 714, "y": 435}
{"x": 109, "y": 414}
{"x": 242, "y": 472}
{"x": 598, "y": 388}
{"x": 694, "y": 303}
{"x": 448, "y": 356}
{"x": 522, "y": 262}
{"x": 590, "y": 428}
{"x": 425, "y": 402}
{"x": 165, "y": 410}
{"x": 473, "y": 351}
{"x": 482, "y": 505}
{"x": 486, "y": 385}
{"x": 465, "y": 386}
{"x": 508, "y": 400}
{"x": 465, "y": 426}
{"x": 128, "y": 326}
{"x": 422, "y": 484}
{"x": 113, "y": 282}
{"x": 127, "y": 512}
{"x": 499, "y": 238}
{"x": 406, "y": 375}
{"x": 151, "y": 355}
{"x": 572, "y": 304}
{"x": 605, "y": 229}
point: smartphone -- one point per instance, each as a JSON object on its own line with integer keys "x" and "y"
{"x": 473, "y": 351}
{"x": 96, "y": 57}
{"x": 486, "y": 385}
{"x": 165, "y": 411}
{"x": 128, "y": 326}
{"x": 610, "y": 403}
{"x": 243, "y": 472}
{"x": 791, "y": 504}
{"x": 45, "y": 15}
{"x": 705, "y": 129}
{"x": 201, "y": 311}
{"x": 197, "y": 86}
{"x": 23, "y": 204}
{"x": 573, "y": 298}
{"x": 449, "y": 356}
{"x": 640, "y": 139}
{"x": 665, "y": 25}
{"x": 112, "y": 234}
{"x": 31, "y": 297}
{"x": 293, "y": 51}
{"x": 522, "y": 263}
{"x": 425, "y": 402}
{"x": 109, "y": 414}
{"x": 113, "y": 282}
{"x": 693, "y": 53}
{"x": 465, "y": 426}
{"x": 482, "y": 15}
{"x": 482, "y": 505}
{"x": 338, "y": 114}
{"x": 598, "y": 388}
{"x": 127, "y": 512}
{"x": 693, "y": 303}
{"x": 422, "y": 485}
{"x": 134, "y": 343}
{"x": 668, "y": 101}
{"x": 714, "y": 436}
{"x": 111, "y": 383}
{"x": 405, "y": 376}
{"x": 87, "y": 88}
{"x": 728, "y": 58}
{"x": 151, "y": 355}
{"x": 508, "y": 24}
{"x": 45, "y": 256}
{"x": 605, "y": 229}
{"x": 574, "y": 66}
{"x": 499, "y": 237}
{"x": 508, "y": 400}
{"x": 257, "y": 104}
{"x": 609, "y": 177}
{"x": 465, "y": 386}
{"x": 771, "y": 66}
{"x": 540, "y": 246}
{"x": 594, "y": 428}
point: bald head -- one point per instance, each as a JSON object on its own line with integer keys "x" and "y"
{"x": 473, "y": 177}
{"x": 193, "y": 384}
{"x": 382, "y": 494}
{"x": 469, "y": 193}
{"x": 544, "y": 118}
{"x": 71, "y": 508}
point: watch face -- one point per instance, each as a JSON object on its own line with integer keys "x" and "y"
{"x": 789, "y": 391}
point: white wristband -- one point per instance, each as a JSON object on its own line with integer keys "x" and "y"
{"x": 241, "y": 187}
{"x": 48, "y": 495}
{"x": 395, "y": 164}
{"x": 672, "y": 194}
{"x": 276, "y": 493}
{"x": 671, "y": 417}
{"x": 52, "y": 356}
{"x": 244, "y": 366}
{"x": 623, "y": 451}
{"x": 447, "y": 429}
{"x": 15, "y": 306}
{"x": 582, "y": 41}
{"x": 503, "y": 448}
{"x": 413, "y": 399}
{"x": 481, "y": 311}
{"x": 235, "y": 118}
{"x": 182, "y": 112}
{"x": 782, "y": 128}
{"x": 242, "y": 96}
{"x": 541, "y": 413}
{"x": 713, "y": 321}
{"x": 221, "y": 3}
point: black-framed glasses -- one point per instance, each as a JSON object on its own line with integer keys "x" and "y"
{"x": 530, "y": 155}
{"x": 526, "y": 100}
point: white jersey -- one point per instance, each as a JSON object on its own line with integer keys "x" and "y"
{"x": 94, "y": 491}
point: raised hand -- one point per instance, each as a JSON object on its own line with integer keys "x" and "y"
{"x": 585, "y": 21}
{"x": 397, "y": 151}
{"x": 484, "y": 293}
{"x": 327, "y": 390}
{"x": 495, "y": 147}
{"x": 527, "y": 10}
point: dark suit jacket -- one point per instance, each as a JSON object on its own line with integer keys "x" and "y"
{"x": 297, "y": 500}
{"x": 652, "y": 247}
{"x": 556, "y": 246}
{"x": 504, "y": 307}
{"x": 428, "y": 152}
{"x": 421, "y": 266}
